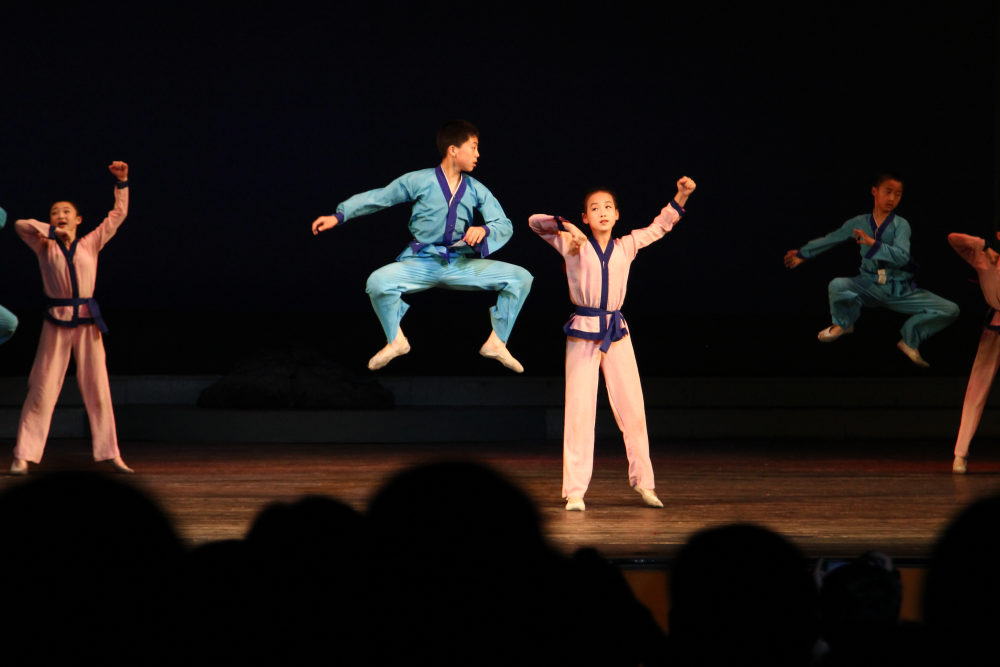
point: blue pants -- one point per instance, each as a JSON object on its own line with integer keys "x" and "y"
{"x": 387, "y": 285}
{"x": 8, "y": 322}
{"x": 929, "y": 312}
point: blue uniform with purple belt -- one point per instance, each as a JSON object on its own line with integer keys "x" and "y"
{"x": 886, "y": 279}
{"x": 8, "y": 322}
{"x": 437, "y": 257}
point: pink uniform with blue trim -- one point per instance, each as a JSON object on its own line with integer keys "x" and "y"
{"x": 598, "y": 340}
{"x": 73, "y": 325}
{"x": 986, "y": 262}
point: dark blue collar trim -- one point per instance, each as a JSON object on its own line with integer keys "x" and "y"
{"x": 878, "y": 230}
{"x": 605, "y": 257}
{"x": 449, "y": 228}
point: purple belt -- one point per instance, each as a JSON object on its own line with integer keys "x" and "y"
{"x": 95, "y": 314}
{"x": 609, "y": 333}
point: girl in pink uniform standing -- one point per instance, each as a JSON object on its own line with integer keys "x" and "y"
{"x": 73, "y": 324}
{"x": 597, "y": 338}
{"x": 986, "y": 262}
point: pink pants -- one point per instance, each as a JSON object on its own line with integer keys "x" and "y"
{"x": 621, "y": 375}
{"x": 984, "y": 369}
{"x": 46, "y": 381}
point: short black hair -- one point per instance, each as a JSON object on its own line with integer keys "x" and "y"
{"x": 455, "y": 133}
{"x": 66, "y": 201}
{"x": 884, "y": 176}
{"x": 592, "y": 191}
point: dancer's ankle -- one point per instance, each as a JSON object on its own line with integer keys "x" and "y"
{"x": 494, "y": 341}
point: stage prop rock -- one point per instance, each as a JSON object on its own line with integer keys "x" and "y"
{"x": 294, "y": 376}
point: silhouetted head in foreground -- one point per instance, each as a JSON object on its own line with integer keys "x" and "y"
{"x": 860, "y": 599}
{"x": 860, "y": 602}
{"x": 742, "y": 595}
{"x": 464, "y": 508}
{"x": 312, "y": 581}
{"x": 85, "y": 556}
{"x": 466, "y": 575}
{"x": 313, "y": 532}
{"x": 962, "y": 592}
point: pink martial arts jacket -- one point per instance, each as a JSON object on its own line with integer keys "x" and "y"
{"x": 986, "y": 262}
{"x": 598, "y": 279}
{"x": 70, "y": 274}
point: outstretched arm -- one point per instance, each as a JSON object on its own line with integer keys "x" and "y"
{"x": 33, "y": 232}
{"x": 397, "y": 192}
{"x": 973, "y": 249}
{"x": 669, "y": 216}
{"x": 561, "y": 234}
{"x": 116, "y": 216}
{"x": 795, "y": 257}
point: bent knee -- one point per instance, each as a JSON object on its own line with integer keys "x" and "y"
{"x": 378, "y": 282}
{"x": 8, "y": 325}
{"x": 520, "y": 280}
{"x": 838, "y": 285}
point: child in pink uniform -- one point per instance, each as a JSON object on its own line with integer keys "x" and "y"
{"x": 986, "y": 262}
{"x": 72, "y": 324}
{"x": 597, "y": 270}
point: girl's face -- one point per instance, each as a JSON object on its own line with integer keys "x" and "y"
{"x": 64, "y": 215}
{"x": 601, "y": 213}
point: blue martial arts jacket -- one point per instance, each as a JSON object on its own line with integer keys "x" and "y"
{"x": 434, "y": 223}
{"x": 3, "y": 218}
{"x": 885, "y": 263}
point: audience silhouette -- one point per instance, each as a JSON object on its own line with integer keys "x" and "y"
{"x": 91, "y": 567}
{"x": 962, "y": 591}
{"x": 860, "y": 603}
{"x": 461, "y": 551}
{"x": 450, "y": 565}
{"x": 741, "y": 594}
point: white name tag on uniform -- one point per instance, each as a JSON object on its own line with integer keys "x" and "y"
{"x": 881, "y": 276}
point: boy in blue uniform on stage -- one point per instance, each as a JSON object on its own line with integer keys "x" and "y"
{"x": 886, "y": 277}
{"x": 442, "y": 253}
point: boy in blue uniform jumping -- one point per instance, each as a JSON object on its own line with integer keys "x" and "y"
{"x": 886, "y": 277}
{"x": 442, "y": 253}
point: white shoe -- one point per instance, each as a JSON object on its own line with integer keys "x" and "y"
{"x": 19, "y": 468}
{"x": 394, "y": 349}
{"x": 575, "y": 505}
{"x": 827, "y": 335}
{"x": 501, "y": 354}
{"x": 914, "y": 355}
{"x": 120, "y": 466}
{"x": 649, "y": 497}
{"x": 960, "y": 466}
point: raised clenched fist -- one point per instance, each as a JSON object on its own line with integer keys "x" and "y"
{"x": 119, "y": 169}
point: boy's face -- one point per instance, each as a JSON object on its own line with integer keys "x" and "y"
{"x": 601, "y": 213}
{"x": 887, "y": 195}
{"x": 466, "y": 155}
{"x": 62, "y": 214}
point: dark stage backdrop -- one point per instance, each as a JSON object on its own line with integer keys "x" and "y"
{"x": 241, "y": 126}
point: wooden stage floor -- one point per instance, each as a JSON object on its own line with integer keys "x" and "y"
{"x": 831, "y": 498}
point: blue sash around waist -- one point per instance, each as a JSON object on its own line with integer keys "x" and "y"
{"x": 95, "y": 313}
{"x": 608, "y": 333}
